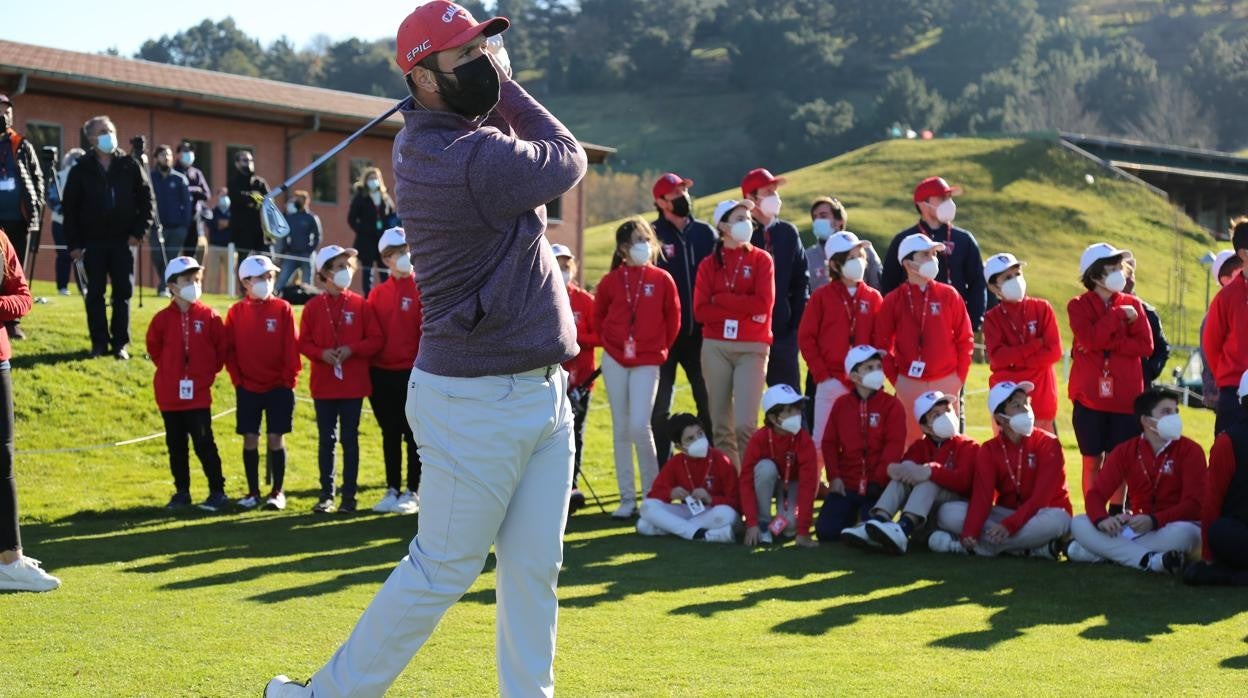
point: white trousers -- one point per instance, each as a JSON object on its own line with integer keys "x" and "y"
{"x": 1177, "y": 535}
{"x": 1044, "y": 526}
{"x": 631, "y": 394}
{"x": 497, "y": 469}
{"x": 918, "y": 500}
{"x": 826, "y": 395}
{"x": 768, "y": 488}
{"x": 676, "y": 519}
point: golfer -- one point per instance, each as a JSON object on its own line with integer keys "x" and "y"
{"x": 487, "y": 399}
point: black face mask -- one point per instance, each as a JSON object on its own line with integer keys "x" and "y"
{"x": 247, "y": 167}
{"x": 680, "y": 206}
{"x": 4, "y": 122}
{"x": 475, "y": 89}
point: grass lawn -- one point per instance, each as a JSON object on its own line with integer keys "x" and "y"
{"x": 213, "y": 605}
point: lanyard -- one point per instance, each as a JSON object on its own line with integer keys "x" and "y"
{"x": 333, "y": 324}
{"x": 922, "y": 318}
{"x": 1153, "y": 482}
{"x": 1015, "y": 473}
{"x": 186, "y": 344}
{"x": 789, "y": 458}
{"x": 849, "y": 302}
{"x": 706, "y": 477}
{"x": 634, "y": 299}
{"x": 1020, "y": 331}
{"x": 732, "y": 283}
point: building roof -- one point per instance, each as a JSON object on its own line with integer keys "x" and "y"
{"x": 1158, "y": 157}
{"x": 39, "y": 69}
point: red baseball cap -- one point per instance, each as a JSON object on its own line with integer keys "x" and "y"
{"x": 668, "y": 184}
{"x": 436, "y": 26}
{"x": 934, "y": 186}
{"x": 757, "y": 179}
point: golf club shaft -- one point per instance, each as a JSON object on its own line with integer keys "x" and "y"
{"x": 338, "y": 148}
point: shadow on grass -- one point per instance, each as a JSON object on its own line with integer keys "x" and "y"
{"x": 21, "y": 361}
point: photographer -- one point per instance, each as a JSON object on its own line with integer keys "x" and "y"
{"x": 21, "y": 192}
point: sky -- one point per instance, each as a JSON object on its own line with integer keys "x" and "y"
{"x": 98, "y": 25}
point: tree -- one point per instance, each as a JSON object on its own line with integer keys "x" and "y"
{"x": 990, "y": 33}
{"x": 208, "y": 45}
{"x": 792, "y": 47}
{"x": 1217, "y": 73}
{"x": 1174, "y": 116}
{"x": 359, "y": 66}
{"x": 283, "y": 62}
{"x": 1121, "y": 86}
{"x": 907, "y": 100}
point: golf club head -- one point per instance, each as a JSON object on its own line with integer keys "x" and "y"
{"x": 272, "y": 220}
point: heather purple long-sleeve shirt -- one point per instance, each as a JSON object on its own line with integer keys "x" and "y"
{"x": 473, "y": 200}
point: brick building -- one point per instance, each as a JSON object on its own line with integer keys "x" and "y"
{"x": 285, "y": 125}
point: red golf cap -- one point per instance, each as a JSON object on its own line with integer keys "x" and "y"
{"x": 934, "y": 186}
{"x": 668, "y": 184}
{"x": 436, "y": 26}
{"x": 757, "y": 179}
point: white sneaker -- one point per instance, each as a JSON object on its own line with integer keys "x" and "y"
{"x": 282, "y": 686}
{"x": 723, "y": 534}
{"x": 409, "y": 503}
{"x": 857, "y": 536}
{"x": 276, "y": 501}
{"x": 25, "y": 574}
{"x": 944, "y": 542}
{"x": 626, "y": 510}
{"x": 388, "y": 502}
{"x": 765, "y": 538}
{"x": 646, "y": 528}
{"x": 1075, "y": 552}
{"x": 1048, "y": 551}
{"x": 888, "y": 535}
{"x": 63, "y": 291}
{"x": 251, "y": 501}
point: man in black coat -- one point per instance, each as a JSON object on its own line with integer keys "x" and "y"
{"x": 246, "y": 189}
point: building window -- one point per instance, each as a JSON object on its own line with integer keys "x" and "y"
{"x": 325, "y": 181}
{"x": 230, "y": 152}
{"x": 203, "y": 161}
{"x": 43, "y": 135}
{"x": 358, "y": 165}
{"x": 554, "y": 210}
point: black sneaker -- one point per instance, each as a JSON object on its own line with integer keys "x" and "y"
{"x": 180, "y": 500}
{"x": 324, "y": 506}
{"x": 1173, "y": 561}
{"x": 347, "y": 506}
{"x": 576, "y": 501}
{"x": 216, "y": 501}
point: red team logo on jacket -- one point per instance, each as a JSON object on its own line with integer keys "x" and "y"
{"x": 1031, "y": 327}
{"x": 1031, "y": 461}
{"x": 199, "y": 326}
{"x": 864, "y": 308}
{"x": 1167, "y": 468}
{"x": 873, "y": 420}
{"x": 669, "y": 251}
{"x": 404, "y": 304}
{"x": 348, "y": 318}
{"x": 934, "y": 308}
{"x": 648, "y": 290}
{"x": 270, "y": 324}
{"x": 747, "y": 271}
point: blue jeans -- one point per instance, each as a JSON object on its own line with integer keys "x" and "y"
{"x": 841, "y": 511}
{"x": 288, "y": 267}
{"x": 338, "y": 421}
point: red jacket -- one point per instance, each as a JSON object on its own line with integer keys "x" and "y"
{"x": 1106, "y": 347}
{"x": 1178, "y": 471}
{"x": 938, "y": 317}
{"x": 1023, "y": 344}
{"x": 832, "y": 323}
{"x": 741, "y": 288}
{"x": 1026, "y": 477}
{"x": 581, "y": 366}
{"x": 1222, "y": 468}
{"x": 396, "y": 307}
{"x": 715, "y": 473}
{"x": 168, "y": 339}
{"x": 952, "y": 463}
{"x": 1223, "y": 341}
{"x": 15, "y": 298}
{"x": 637, "y": 302}
{"x": 329, "y": 322}
{"x": 794, "y": 457}
{"x": 863, "y": 438}
{"x": 262, "y": 345}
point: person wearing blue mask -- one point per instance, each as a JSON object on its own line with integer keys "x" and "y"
{"x": 827, "y": 218}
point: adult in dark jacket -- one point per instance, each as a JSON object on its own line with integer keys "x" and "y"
{"x": 684, "y": 242}
{"x": 246, "y": 189}
{"x": 108, "y": 207}
{"x": 201, "y": 192}
{"x": 21, "y": 192}
{"x": 304, "y": 238}
{"x": 961, "y": 264}
{"x": 781, "y": 240}
{"x": 1154, "y": 363}
{"x": 371, "y": 213}
{"x": 175, "y": 210}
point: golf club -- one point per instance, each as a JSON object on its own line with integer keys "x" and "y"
{"x": 271, "y": 218}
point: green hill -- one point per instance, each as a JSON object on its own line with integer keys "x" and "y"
{"x": 1029, "y": 197}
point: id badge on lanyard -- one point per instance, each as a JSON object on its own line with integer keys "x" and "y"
{"x": 186, "y": 389}
{"x": 186, "y": 386}
{"x": 730, "y": 329}
{"x": 630, "y": 348}
{"x": 1106, "y": 384}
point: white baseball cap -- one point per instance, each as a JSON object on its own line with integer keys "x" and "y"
{"x": 843, "y": 241}
{"x": 780, "y": 395}
{"x": 255, "y": 265}
{"x": 1243, "y": 385}
{"x": 327, "y": 253}
{"x": 925, "y": 402}
{"x": 860, "y": 353}
{"x": 177, "y": 265}
{"x": 562, "y": 251}
{"x": 722, "y": 208}
{"x": 917, "y": 242}
{"x": 1223, "y": 257}
{"x": 392, "y": 237}
{"x": 1097, "y": 252}
{"x": 1004, "y": 390}
{"x": 1002, "y": 261}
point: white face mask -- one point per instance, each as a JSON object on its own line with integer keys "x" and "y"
{"x": 792, "y": 424}
{"x": 770, "y": 205}
{"x": 567, "y": 276}
{"x": 1023, "y": 423}
{"x": 1014, "y": 289}
{"x": 187, "y": 158}
{"x": 873, "y": 380}
{"x": 190, "y": 293}
{"x": 1170, "y": 427}
{"x": 291, "y": 208}
{"x": 698, "y": 448}
{"x": 403, "y": 264}
{"x": 223, "y": 203}
{"x": 1115, "y": 281}
{"x": 929, "y": 269}
{"x": 742, "y": 231}
{"x": 639, "y": 253}
{"x": 260, "y": 290}
{"x": 944, "y": 426}
{"x": 946, "y": 211}
{"x": 854, "y": 269}
{"x": 823, "y": 228}
{"x": 106, "y": 143}
{"x": 342, "y": 278}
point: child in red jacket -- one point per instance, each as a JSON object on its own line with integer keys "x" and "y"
{"x": 338, "y": 334}
{"x": 396, "y": 307}
{"x": 866, "y": 434}
{"x": 703, "y": 483}
{"x": 637, "y": 313}
{"x": 262, "y": 357}
{"x": 581, "y": 367}
{"x": 936, "y": 470}
{"x": 187, "y": 343}
{"x": 779, "y": 464}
